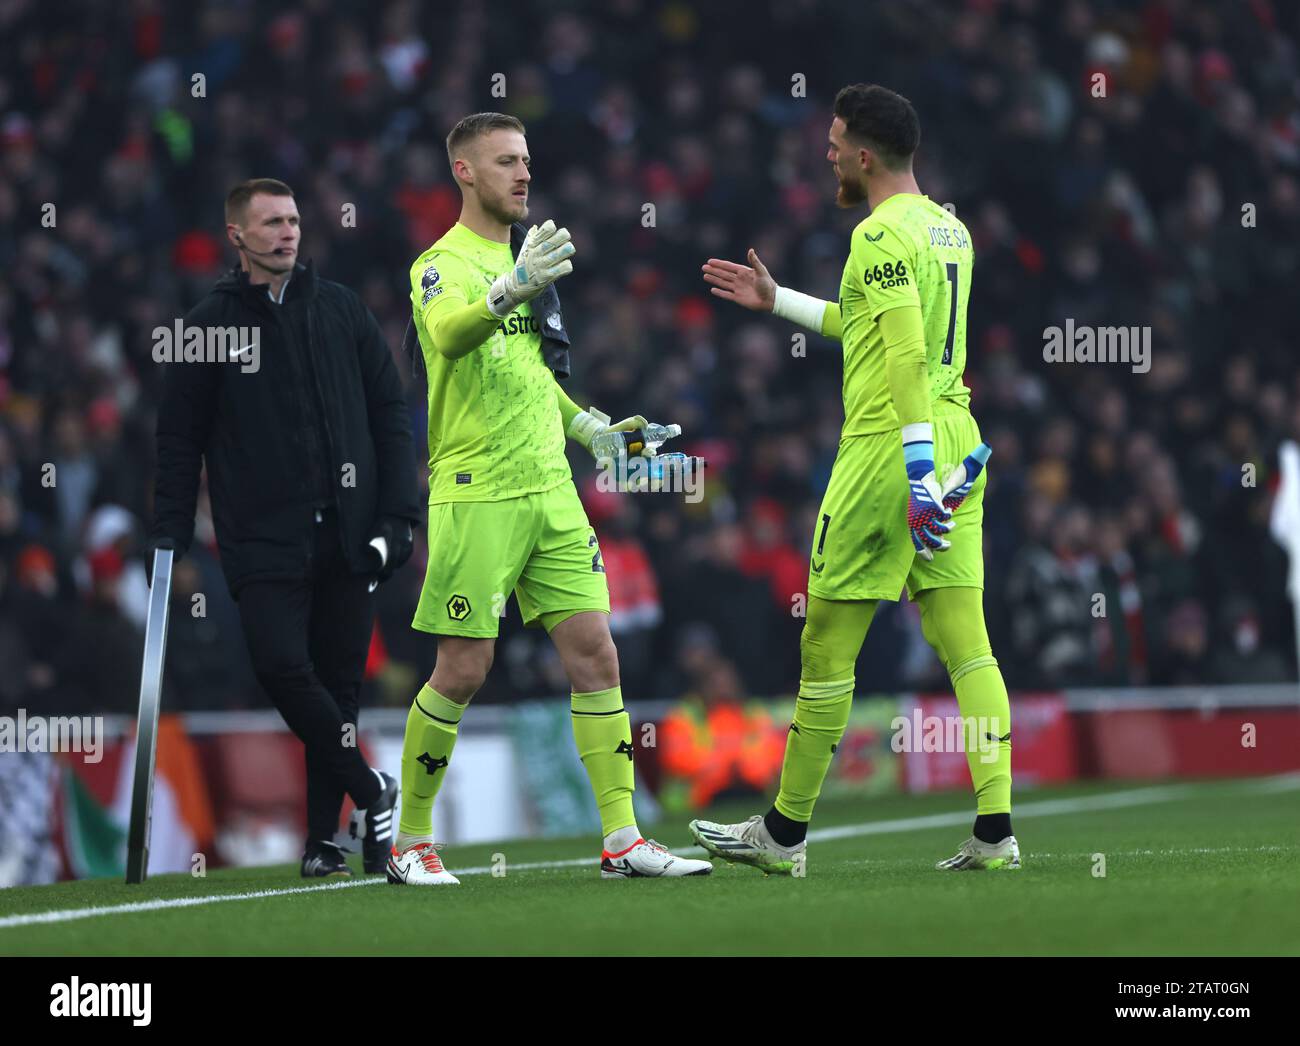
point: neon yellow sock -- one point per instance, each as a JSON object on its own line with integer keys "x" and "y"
{"x": 603, "y": 734}
{"x": 982, "y": 700}
{"x": 953, "y": 622}
{"x": 431, "y": 727}
{"x": 828, "y": 650}
{"x": 821, "y": 712}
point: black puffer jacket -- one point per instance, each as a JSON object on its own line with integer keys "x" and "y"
{"x": 252, "y": 428}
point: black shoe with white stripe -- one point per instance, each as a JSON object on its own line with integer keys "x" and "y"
{"x": 374, "y": 826}
{"x": 321, "y": 860}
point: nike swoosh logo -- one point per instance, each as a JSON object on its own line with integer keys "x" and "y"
{"x": 236, "y": 353}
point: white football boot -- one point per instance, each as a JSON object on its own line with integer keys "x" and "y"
{"x": 418, "y": 865}
{"x": 646, "y": 859}
{"x": 976, "y": 856}
{"x": 748, "y": 843}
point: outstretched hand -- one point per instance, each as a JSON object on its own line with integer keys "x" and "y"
{"x": 750, "y": 286}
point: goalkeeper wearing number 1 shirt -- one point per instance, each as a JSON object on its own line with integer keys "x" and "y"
{"x": 503, "y": 511}
{"x": 889, "y": 517}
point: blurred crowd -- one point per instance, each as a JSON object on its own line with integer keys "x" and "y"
{"x": 1118, "y": 163}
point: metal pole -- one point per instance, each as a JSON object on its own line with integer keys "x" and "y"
{"x": 1285, "y": 525}
{"x": 146, "y": 735}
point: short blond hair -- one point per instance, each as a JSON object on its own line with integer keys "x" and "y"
{"x": 475, "y": 126}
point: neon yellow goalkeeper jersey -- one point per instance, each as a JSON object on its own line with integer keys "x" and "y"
{"x": 908, "y": 251}
{"x": 494, "y": 423}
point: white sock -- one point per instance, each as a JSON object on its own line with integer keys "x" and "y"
{"x": 404, "y": 841}
{"x": 620, "y": 839}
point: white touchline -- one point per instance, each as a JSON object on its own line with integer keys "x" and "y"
{"x": 71, "y": 914}
{"x": 1049, "y": 807}
{"x": 1176, "y": 850}
{"x": 1039, "y": 808}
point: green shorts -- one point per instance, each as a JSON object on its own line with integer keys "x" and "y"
{"x": 540, "y": 546}
{"x": 861, "y": 548}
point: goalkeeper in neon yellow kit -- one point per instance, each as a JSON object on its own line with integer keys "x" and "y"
{"x": 503, "y": 512}
{"x": 886, "y": 519}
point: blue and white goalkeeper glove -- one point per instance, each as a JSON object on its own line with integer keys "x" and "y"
{"x": 927, "y": 525}
{"x": 961, "y": 479}
{"x": 927, "y": 516}
{"x": 542, "y": 260}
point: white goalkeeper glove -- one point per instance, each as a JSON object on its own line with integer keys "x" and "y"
{"x": 542, "y": 260}
{"x": 588, "y": 424}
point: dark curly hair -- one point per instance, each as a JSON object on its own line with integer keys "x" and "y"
{"x": 881, "y": 120}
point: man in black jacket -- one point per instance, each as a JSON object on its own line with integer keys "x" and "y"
{"x": 282, "y": 383}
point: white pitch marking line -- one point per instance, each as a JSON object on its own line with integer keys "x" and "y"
{"x": 1178, "y": 851}
{"x": 71, "y": 914}
{"x": 1040, "y": 808}
{"x": 1039, "y": 855}
{"x": 1050, "y": 807}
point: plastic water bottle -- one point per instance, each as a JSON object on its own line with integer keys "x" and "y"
{"x": 675, "y": 468}
{"x": 615, "y": 445}
{"x": 674, "y": 462}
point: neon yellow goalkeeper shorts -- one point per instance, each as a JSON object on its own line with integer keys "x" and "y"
{"x": 540, "y": 546}
{"x": 861, "y": 547}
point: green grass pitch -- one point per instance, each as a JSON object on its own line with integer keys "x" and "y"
{"x": 1198, "y": 868}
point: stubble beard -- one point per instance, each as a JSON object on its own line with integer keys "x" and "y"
{"x": 506, "y": 211}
